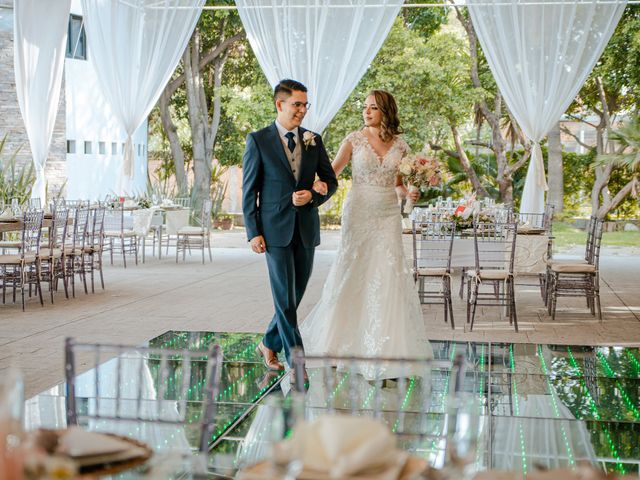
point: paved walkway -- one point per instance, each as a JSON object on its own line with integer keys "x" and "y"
{"x": 232, "y": 294}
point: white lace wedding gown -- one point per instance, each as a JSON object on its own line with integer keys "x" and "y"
{"x": 369, "y": 305}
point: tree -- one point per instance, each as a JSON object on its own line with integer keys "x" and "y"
{"x": 612, "y": 89}
{"x": 195, "y": 92}
{"x": 490, "y": 109}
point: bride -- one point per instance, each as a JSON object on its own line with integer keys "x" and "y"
{"x": 369, "y": 305}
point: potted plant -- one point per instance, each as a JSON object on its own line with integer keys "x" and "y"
{"x": 223, "y": 221}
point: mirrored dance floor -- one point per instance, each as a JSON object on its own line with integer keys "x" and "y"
{"x": 539, "y": 405}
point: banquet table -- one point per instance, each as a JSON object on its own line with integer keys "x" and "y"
{"x": 16, "y": 224}
{"x": 531, "y": 252}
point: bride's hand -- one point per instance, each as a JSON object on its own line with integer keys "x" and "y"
{"x": 320, "y": 187}
{"x": 413, "y": 195}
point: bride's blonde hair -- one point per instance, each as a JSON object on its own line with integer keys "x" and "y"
{"x": 390, "y": 124}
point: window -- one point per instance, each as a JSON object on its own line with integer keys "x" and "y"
{"x": 122, "y": 151}
{"x": 102, "y": 150}
{"x": 87, "y": 148}
{"x": 76, "y": 38}
{"x": 71, "y": 146}
{"x": 114, "y": 148}
{"x": 139, "y": 149}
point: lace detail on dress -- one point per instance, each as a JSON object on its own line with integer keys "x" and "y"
{"x": 369, "y": 305}
{"x": 368, "y": 168}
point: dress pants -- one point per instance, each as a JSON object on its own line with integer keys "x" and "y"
{"x": 289, "y": 271}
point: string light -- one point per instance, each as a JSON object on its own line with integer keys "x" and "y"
{"x": 596, "y": 414}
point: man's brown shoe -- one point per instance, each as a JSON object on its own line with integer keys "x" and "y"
{"x": 269, "y": 357}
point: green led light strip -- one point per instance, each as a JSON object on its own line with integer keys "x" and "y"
{"x": 480, "y": 394}
{"x": 596, "y": 414}
{"x": 516, "y": 404}
{"x": 405, "y": 401}
{"x": 444, "y": 399}
{"x": 634, "y": 360}
{"x": 556, "y": 410}
{"x": 611, "y": 374}
{"x": 220, "y": 431}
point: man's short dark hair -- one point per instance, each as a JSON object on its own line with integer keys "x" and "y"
{"x": 286, "y": 87}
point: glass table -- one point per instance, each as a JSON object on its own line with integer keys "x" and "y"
{"x": 544, "y": 406}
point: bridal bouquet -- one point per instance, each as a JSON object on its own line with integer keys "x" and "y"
{"x": 419, "y": 171}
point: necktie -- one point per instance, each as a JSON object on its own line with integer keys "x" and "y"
{"x": 290, "y": 141}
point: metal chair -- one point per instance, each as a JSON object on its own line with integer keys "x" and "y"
{"x": 413, "y": 403}
{"x": 94, "y": 245}
{"x": 579, "y": 279}
{"x": 139, "y": 389}
{"x": 182, "y": 201}
{"x": 432, "y": 249}
{"x": 52, "y": 261}
{"x": 23, "y": 268}
{"x": 74, "y": 249}
{"x": 198, "y": 237}
{"x": 588, "y": 254}
{"x": 494, "y": 249}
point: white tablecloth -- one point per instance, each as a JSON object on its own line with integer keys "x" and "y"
{"x": 531, "y": 251}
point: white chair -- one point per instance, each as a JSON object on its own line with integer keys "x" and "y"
{"x": 198, "y": 237}
{"x": 119, "y": 238}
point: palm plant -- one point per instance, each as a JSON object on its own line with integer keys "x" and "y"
{"x": 628, "y": 139}
{"x": 15, "y": 181}
{"x": 627, "y": 157}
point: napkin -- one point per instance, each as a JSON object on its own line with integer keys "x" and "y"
{"x": 341, "y": 447}
{"x": 76, "y": 442}
{"x": 7, "y": 214}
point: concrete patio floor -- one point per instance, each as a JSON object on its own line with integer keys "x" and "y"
{"x": 232, "y": 294}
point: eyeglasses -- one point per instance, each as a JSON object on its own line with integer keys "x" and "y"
{"x": 299, "y": 105}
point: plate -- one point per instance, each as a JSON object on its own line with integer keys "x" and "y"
{"x": 132, "y": 454}
{"x": 110, "y": 464}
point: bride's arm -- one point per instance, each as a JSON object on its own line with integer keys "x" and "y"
{"x": 342, "y": 158}
{"x": 338, "y": 164}
{"x": 401, "y": 190}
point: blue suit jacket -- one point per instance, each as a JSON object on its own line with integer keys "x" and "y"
{"x": 268, "y": 184}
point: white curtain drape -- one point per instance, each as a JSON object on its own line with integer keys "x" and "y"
{"x": 134, "y": 47}
{"x": 325, "y": 44}
{"x": 540, "y": 55}
{"x": 39, "y": 51}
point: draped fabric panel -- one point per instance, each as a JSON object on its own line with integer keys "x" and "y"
{"x": 540, "y": 54}
{"x": 134, "y": 47}
{"x": 39, "y": 51}
{"x": 325, "y": 44}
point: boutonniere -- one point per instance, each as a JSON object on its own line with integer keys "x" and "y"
{"x": 309, "y": 139}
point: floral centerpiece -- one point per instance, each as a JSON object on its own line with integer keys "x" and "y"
{"x": 144, "y": 202}
{"x": 419, "y": 171}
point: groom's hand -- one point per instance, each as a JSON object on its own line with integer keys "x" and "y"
{"x": 301, "y": 197}
{"x": 258, "y": 245}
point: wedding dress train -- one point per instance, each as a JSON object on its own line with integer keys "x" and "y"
{"x": 369, "y": 305}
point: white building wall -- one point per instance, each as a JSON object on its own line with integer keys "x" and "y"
{"x": 89, "y": 118}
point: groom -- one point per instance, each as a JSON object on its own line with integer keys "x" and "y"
{"x": 280, "y": 210}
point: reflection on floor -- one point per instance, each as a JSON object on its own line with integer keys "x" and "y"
{"x": 539, "y": 405}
